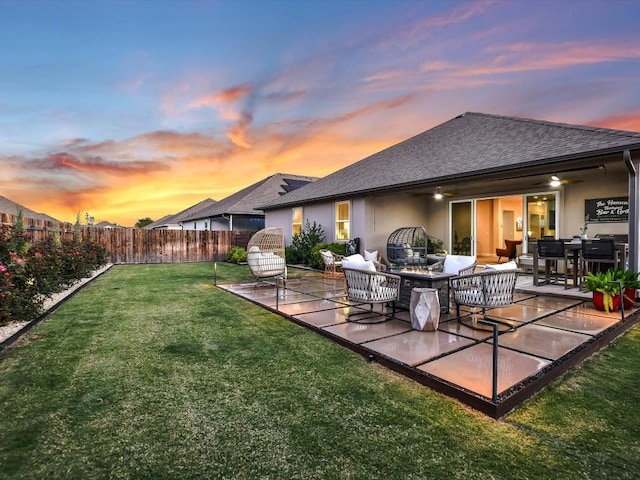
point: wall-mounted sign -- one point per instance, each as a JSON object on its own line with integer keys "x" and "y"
{"x": 602, "y": 210}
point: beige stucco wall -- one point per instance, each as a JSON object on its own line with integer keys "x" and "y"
{"x": 610, "y": 183}
{"x": 374, "y": 217}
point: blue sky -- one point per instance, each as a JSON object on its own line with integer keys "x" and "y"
{"x": 129, "y": 109}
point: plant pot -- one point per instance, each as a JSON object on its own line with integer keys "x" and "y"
{"x": 629, "y": 298}
{"x": 598, "y": 302}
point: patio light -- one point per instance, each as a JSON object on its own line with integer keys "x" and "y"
{"x": 438, "y": 194}
{"x": 555, "y": 181}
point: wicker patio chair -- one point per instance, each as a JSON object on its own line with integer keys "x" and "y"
{"x": 487, "y": 289}
{"x": 265, "y": 253}
{"x": 332, "y": 263}
{"x": 369, "y": 287}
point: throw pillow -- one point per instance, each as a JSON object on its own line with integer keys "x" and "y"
{"x": 373, "y": 256}
{"x": 501, "y": 266}
{"x": 454, "y": 263}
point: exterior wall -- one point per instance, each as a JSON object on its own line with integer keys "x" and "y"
{"x": 280, "y": 218}
{"x": 374, "y": 217}
{"x": 612, "y": 183}
{"x": 169, "y": 227}
{"x": 321, "y": 213}
{"x": 220, "y": 224}
{"x": 386, "y": 213}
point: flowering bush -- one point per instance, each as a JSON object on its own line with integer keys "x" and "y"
{"x": 31, "y": 272}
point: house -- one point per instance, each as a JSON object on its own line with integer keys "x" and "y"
{"x": 105, "y": 224}
{"x": 31, "y": 219}
{"x": 477, "y": 180}
{"x": 172, "y": 221}
{"x": 241, "y": 210}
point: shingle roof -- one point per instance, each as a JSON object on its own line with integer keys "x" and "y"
{"x": 467, "y": 145}
{"x": 248, "y": 200}
{"x": 175, "y": 219}
{"x": 105, "y": 224}
{"x": 10, "y": 207}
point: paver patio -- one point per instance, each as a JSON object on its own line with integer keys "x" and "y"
{"x": 550, "y": 334}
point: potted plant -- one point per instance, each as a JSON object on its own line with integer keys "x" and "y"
{"x": 605, "y": 288}
{"x": 630, "y": 283}
{"x": 585, "y": 227}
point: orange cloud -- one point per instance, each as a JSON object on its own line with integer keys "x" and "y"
{"x": 100, "y": 166}
{"x": 629, "y": 121}
{"x": 224, "y": 96}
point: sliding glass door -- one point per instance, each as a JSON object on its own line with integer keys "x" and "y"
{"x": 462, "y": 228}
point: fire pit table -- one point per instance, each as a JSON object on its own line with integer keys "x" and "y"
{"x": 410, "y": 279}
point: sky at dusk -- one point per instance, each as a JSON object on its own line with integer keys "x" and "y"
{"x": 133, "y": 109}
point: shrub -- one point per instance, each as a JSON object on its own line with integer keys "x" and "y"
{"x": 237, "y": 255}
{"x": 32, "y": 271}
{"x": 303, "y": 243}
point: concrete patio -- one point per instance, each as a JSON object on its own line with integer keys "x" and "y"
{"x": 553, "y": 330}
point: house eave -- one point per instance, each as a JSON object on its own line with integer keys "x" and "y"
{"x": 531, "y": 168}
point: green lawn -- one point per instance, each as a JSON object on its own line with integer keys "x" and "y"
{"x": 152, "y": 372}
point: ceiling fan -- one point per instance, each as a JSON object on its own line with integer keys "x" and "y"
{"x": 556, "y": 181}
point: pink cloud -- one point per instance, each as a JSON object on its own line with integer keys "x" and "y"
{"x": 523, "y": 57}
{"x": 628, "y": 121}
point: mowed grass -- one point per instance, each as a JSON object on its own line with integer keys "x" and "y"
{"x": 151, "y": 372}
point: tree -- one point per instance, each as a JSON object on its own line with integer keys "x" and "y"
{"x": 143, "y": 222}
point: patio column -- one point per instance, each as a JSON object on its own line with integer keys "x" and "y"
{"x": 633, "y": 166}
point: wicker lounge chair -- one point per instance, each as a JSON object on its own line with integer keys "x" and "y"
{"x": 265, "y": 253}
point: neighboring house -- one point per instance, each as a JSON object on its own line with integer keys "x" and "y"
{"x": 105, "y": 224}
{"x": 31, "y": 220}
{"x": 172, "y": 221}
{"x": 477, "y": 180}
{"x": 241, "y": 210}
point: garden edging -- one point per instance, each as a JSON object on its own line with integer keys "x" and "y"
{"x": 12, "y": 332}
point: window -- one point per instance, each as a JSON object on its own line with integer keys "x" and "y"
{"x": 296, "y": 221}
{"x": 342, "y": 220}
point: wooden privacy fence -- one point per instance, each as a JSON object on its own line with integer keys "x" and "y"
{"x": 132, "y": 245}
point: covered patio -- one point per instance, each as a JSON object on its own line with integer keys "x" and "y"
{"x": 553, "y": 330}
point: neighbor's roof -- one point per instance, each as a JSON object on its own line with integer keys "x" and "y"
{"x": 467, "y": 145}
{"x": 175, "y": 219}
{"x": 105, "y": 224}
{"x": 10, "y": 207}
{"x": 248, "y": 200}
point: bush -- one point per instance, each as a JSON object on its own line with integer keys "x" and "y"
{"x": 237, "y": 255}
{"x": 303, "y": 243}
{"x": 32, "y": 271}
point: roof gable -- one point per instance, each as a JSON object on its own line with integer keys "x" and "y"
{"x": 249, "y": 200}
{"x": 175, "y": 219}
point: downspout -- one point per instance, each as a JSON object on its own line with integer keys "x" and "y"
{"x": 634, "y": 201}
